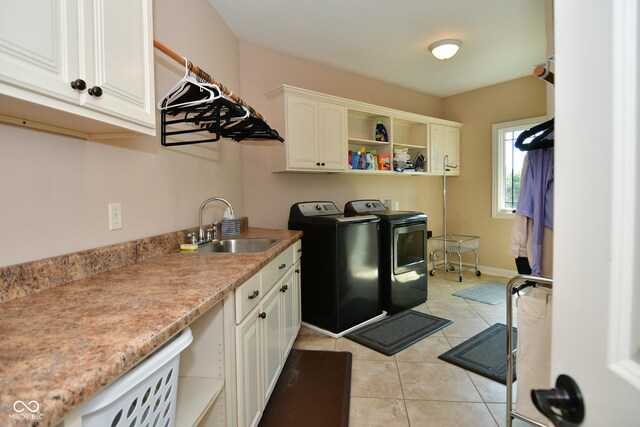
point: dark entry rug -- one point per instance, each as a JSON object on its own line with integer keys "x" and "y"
{"x": 398, "y": 332}
{"x": 313, "y": 390}
{"x": 485, "y": 354}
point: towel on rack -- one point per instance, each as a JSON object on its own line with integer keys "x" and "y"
{"x": 536, "y": 199}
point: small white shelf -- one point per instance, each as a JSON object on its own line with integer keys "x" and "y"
{"x": 370, "y": 142}
{"x": 379, "y": 172}
{"x": 195, "y": 397}
{"x": 412, "y": 146}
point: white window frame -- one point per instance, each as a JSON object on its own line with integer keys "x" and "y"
{"x": 498, "y": 178}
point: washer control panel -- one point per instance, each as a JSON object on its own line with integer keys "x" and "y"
{"x": 362, "y": 206}
{"x": 318, "y": 208}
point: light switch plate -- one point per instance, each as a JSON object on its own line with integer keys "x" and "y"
{"x": 115, "y": 216}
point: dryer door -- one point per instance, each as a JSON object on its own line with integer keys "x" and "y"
{"x": 409, "y": 247}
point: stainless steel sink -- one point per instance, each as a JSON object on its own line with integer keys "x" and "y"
{"x": 237, "y": 246}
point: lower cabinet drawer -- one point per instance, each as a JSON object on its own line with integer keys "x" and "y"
{"x": 248, "y": 296}
{"x": 273, "y": 271}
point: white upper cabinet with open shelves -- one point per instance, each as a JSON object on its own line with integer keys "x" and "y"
{"x": 80, "y": 67}
{"x": 322, "y": 133}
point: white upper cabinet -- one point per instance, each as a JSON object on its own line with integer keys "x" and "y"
{"x": 326, "y": 133}
{"x": 332, "y": 136}
{"x": 315, "y": 134}
{"x": 444, "y": 140}
{"x": 119, "y": 59}
{"x": 302, "y": 128}
{"x": 60, "y": 59}
{"x": 39, "y": 48}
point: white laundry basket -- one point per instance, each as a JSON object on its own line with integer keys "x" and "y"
{"x": 144, "y": 396}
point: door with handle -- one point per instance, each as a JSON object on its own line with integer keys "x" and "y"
{"x": 563, "y": 405}
{"x": 596, "y": 308}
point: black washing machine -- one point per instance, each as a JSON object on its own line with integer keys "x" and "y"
{"x": 403, "y": 256}
{"x": 339, "y": 280}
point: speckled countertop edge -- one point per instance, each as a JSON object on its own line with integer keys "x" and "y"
{"x": 62, "y": 345}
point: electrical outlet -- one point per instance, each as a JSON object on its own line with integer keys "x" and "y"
{"x": 396, "y": 206}
{"x": 115, "y": 216}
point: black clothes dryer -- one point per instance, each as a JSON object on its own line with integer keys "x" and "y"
{"x": 339, "y": 280}
{"x": 403, "y": 261}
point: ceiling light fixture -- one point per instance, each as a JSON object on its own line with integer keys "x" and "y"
{"x": 445, "y": 49}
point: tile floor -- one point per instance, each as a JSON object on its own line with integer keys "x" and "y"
{"x": 415, "y": 388}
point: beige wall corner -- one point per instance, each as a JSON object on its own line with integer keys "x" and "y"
{"x": 469, "y": 196}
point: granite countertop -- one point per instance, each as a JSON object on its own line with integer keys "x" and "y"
{"x": 62, "y": 345}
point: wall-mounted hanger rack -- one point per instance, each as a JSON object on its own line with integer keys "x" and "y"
{"x": 207, "y": 105}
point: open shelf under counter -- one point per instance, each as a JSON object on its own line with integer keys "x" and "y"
{"x": 195, "y": 397}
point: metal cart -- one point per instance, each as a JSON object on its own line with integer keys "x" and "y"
{"x": 513, "y": 289}
{"x": 454, "y": 244}
{"x": 448, "y": 244}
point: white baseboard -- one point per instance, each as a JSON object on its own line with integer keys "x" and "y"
{"x": 500, "y": 272}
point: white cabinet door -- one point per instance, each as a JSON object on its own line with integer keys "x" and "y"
{"x": 39, "y": 48}
{"x": 444, "y": 140}
{"x": 289, "y": 311}
{"x": 105, "y": 46}
{"x": 332, "y": 136}
{"x": 316, "y": 135}
{"x": 302, "y": 133}
{"x": 117, "y": 37}
{"x": 270, "y": 326}
{"x": 249, "y": 370}
{"x": 297, "y": 294}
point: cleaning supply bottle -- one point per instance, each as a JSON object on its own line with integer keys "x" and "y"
{"x": 381, "y": 132}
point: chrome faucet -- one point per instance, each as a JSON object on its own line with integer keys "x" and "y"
{"x": 201, "y": 233}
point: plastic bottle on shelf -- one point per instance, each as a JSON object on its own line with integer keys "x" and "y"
{"x": 381, "y": 132}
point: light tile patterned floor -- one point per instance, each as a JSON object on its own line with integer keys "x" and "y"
{"x": 414, "y": 388}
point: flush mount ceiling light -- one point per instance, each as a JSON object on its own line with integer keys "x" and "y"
{"x": 445, "y": 49}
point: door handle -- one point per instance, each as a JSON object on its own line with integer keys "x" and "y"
{"x": 563, "y": 405}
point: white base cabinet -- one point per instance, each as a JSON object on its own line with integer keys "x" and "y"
{"x": 78, "y": 58}
{"x": 265, "y": 336}
{"x": 239, "y": 347}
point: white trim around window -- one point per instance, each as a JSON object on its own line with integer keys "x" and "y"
{"x": 499, "y": 211}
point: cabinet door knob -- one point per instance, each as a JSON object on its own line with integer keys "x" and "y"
{"x": 95, "y": 91}
{"x": 322, "y": 164}
{"x": 284, "y": 288}
{"x": 297, "y": 270}
{"x": 262, "y": 315}
{"x": 281, "y": 266}
{"x": 318, "y": 164}
{"x": 254, "y": 294}
{"x": 79, "y": 84}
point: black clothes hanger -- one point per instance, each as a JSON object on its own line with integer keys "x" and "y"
{"x": 542, "y": 137}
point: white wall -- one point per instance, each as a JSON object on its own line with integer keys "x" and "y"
{"x": 269, "y": 196}
{"x": 55, "y": 189}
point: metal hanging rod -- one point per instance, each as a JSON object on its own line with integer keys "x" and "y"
{"x": 180, "y": 60}
{"x": 543, "y": 72}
